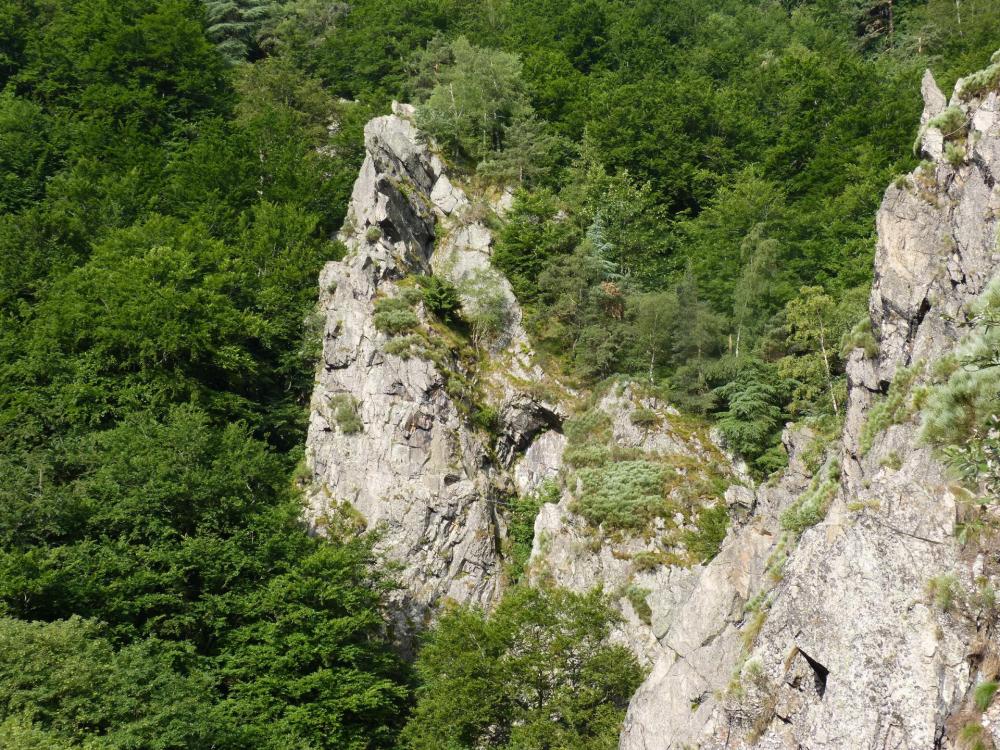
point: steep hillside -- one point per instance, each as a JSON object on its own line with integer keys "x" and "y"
{"x": 804, "y": 612}
{"x": 876, "y": 624}
{"x": 590, "y": 436}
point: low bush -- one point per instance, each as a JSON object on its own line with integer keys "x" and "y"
{"x": 981, "y": 82}
{"x": 984, "y": 693}
{"x": 643, "y": 417}
{"x": 591, "y": 425}
{"x": 590, "y": 455}
{"x": 974, "y": 737}
{"x": 712, "y": 524}
{"x": 810, "y": 508}
{"x": 622, "y": 495}
{"x": 952, "y": 122}
{"x": 859, "y": 337}
{"x": 393, "y": 316}
{"x": 345, "y": 413}
{"x": 944, "y": 591}
{"x": 441, "y": 298}
{"x": 636, "y": 596}
{"x": 402, "y": 346}
{"x": 895, "y": 408}
{"x": 955, "y": 154}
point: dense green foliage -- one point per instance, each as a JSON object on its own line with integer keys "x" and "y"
{"x": 165, "y": 218}
{"x": 534, "y": 674}
{"x": 695, "y": 189}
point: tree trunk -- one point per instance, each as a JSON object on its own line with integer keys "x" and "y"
{"x": 891, "y": 24}
{"x": 826, "y": 365}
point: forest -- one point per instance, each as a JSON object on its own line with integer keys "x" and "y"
{"x": 696, "y": 184}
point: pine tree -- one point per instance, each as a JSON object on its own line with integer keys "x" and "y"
{"x": 234, "y": 25}
{"x": 752, "y": 419}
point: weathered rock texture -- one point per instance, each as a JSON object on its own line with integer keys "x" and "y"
{"x": 648, "y": 569}
{"x": 413, "y": 466}
{"x": 852, "y": 653}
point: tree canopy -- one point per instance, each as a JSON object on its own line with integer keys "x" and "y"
{"x": 695, "y": 184}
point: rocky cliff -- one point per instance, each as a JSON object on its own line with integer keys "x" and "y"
{"x": 846, "y": 642}
{"x": 650, "y": 571}
{"x": 392, "y": 442}
{"x": 805, "y": 613}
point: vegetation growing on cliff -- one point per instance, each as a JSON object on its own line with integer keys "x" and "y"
{"x": 171, "y": 175}
{"x": 961, "y": 413}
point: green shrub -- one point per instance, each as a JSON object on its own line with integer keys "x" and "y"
{"x": 955, "y": 154}
{"x": 712, "y": 523}
{"x": 440, "y": 297}
{"x": 895, "y": 408}
{"x": 636, "y": 596}
{"x": 622, "y": 495}
{"x": 486, "y": 417}
{"x": 981, "y": 82}
{"x": 345, "y": 413}
{"x": 974, "y": 737}
{"x": 952, "y": 122}
{"x": 944, "y": 591}
{"x": 753, "y": 627}
{"x": 402, "y": 346}
{"x": 984, "y": 694}
{"x": 592, "y": 425}
{"x": 393, "y": 316}
{"x": 963, "y": 406}
{"x": 811, "y": 506}
{"x": 892, "y": 461}
{"x": 647, "y": 561}
{"x": 960, "y": 415}
{"x": 860, "y": 337}
{"x": 592, "y": 454}
{"x": 643, "y": 417}
{"x": 373, "y": 234}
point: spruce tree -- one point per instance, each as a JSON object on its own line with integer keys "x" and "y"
{"x": 234, "y": 25}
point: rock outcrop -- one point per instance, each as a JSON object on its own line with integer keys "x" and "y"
{"x": 846, "y": 649}
{"x": 705, "y": 638}
{"x": 389, "y": 440}
{"x": 648, "y": 572}
{"x": 811, "y": 625}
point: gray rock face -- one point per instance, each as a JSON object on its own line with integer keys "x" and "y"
{"x": 851, "y": 652}
{"x": 681, "y": 701}
{"x": 634, "y": 569}
{"x": 542, "y": 461}
{"x": 931, "y": 138}
{"x": 385, "y": 437}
